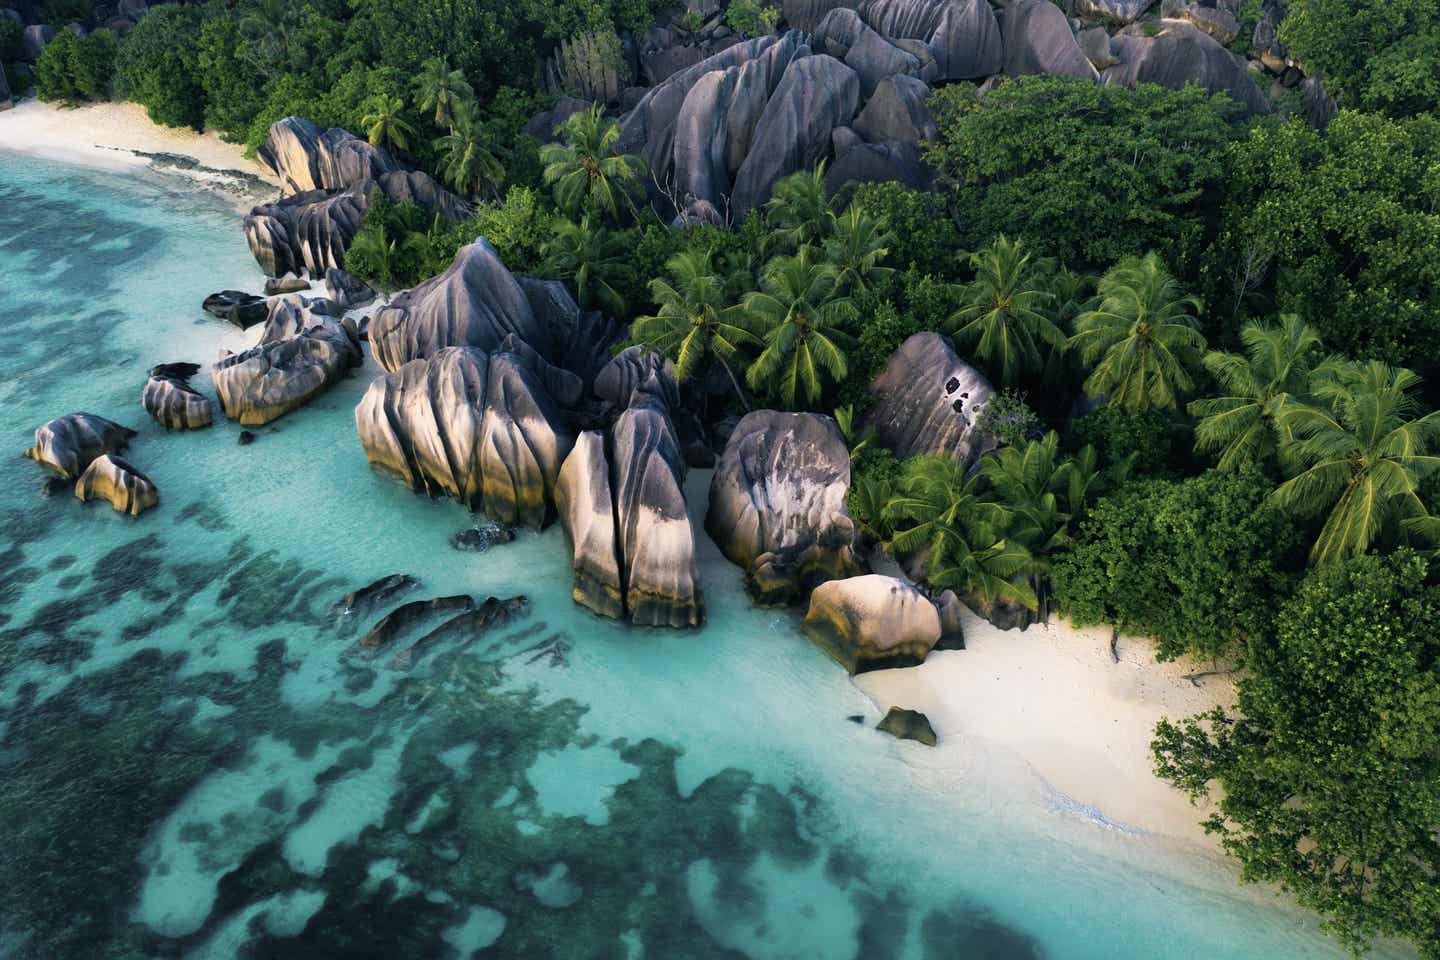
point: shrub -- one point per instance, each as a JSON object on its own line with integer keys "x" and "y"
{"x": 73, "y": 69}
{"x": 1117, "y": 435}
{"x": 157, "y": 66}
{"x": 1374, "y": 54}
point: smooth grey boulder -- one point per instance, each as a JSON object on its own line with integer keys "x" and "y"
{"x": 289, "y": 283}
{"x": 1180, "y": 55}
{"x": 872, "y": 622}
{"x": 806, "y": 15}
{"x": 873, "y": 57}
{"x": 952, "y": 621}
{"x": 876, "y": 163}
{"x": 897, "y": 111}
{"x": 1095, "y": 43}
{"x": 815, "y": 95}
{"x": 285, "y": 370}
{"x": 904, "y": 724}
{"x": 305, "y": 157}
{"x": 962, "y": 36}
{"x": 777, "y": 504}
{"x": 1216, "y": 21}
{"x": 1038, "y": 39}
{"x": 68, "y": 444}
{"x": 636, "y": 366}
{"x": 475, "y": 426}
{"x": 292, "y": 314}
{"x": 1121, "y": 11}
{"x": 586, "y": 505}
{"x": 419, "y": 188}
{"x": 348, "y": 290}
{"x": 474, "y": 303}
{"x": 116, "y": 480}
{"x": 654, "y": 539}
{"x": 176, "y": 405}
{"x": 927, "y": 400}
{"x": 657, "y": 66}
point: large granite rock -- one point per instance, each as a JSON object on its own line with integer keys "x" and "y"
{"x": 654, "y": 539}
{"x": 1179, "y": 55}
{"x": 846, "y": 37}
{"x": 289, "y": 283}
{"x": 897, "y": 111}
{"x": 305, "y": 157}
{"x": 70, "y": 443}
{"x": 289, "y": 366}
{"x": 872, "y": 622}
{"x": 1121, "y": 11}
{"x": 474, "y": 426}
{"x": 586, "y": 504}
{"x": 927, "y": 399}
{"x": 962, "y": 36}
{"x": 876, "y": 163}
{"x": 474, "y": 303}
{"x": 304, "y": 233}
{"x": 777, "y": 504}
{"x": 111, "y": 478}
{"x": 1038, "y": 39}
{"x": 815, "y": 95}
{"x": 349, "y": 291}
{"x": 174, "y": 404}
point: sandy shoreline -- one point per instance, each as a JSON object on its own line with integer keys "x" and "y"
{"x": 109, "y": 135}
{"x": 1053, "y": 697}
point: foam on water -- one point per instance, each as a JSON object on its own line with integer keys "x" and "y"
{"x": 186, "y": 736}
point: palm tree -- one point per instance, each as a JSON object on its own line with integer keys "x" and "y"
{"x": 1027, "y": 479}
{"x": 797, "y": 310}
{"x": 1141, "y": 339}
{"x": 856, "y": 248}
{"x": 585, "y": 171}
{"x": 694, "y": 324}
{"x": 468, "y": 163}
{"x": 939, "y": 509}
{"x": 1243, "y": 423}
{"x": 1003, "y": 314}
{"x": 375, "y": 249}
{"x": 442, "y": 90}
{"x": 797, "y": 212}
{"x": 384, "y": 125}
{"x": 592, "y": 259}
{"x": 1361, "y": 457}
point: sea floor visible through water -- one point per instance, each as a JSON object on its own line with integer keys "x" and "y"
{"x": 195, "y": 761}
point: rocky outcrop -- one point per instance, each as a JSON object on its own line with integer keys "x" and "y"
{"x": 1179, "y": 55}
{"x": 307, "y": 232}
{"x": 1121, "y": 11}
{"x": 897, "y": 111}
{"x": 961, "y": 36}
{"x": 474, "y": 303}
{"x": 586, "y": 504}
{"x": 111, "y": 478}
{"x": 872, "y": 622}
{"x": 470, "y": 425}
{"x": 1038, "y": 39}
{"x": 349, "y": 291}
{"x": 777, "y": 504}
{"x": 277, "y": 286}
{"x": 289, "y": 366}
{"x": 175, "y": 405}
{"x": 876, "y": 163}
{"x": 70, "y": 443}
{"x": 33, "y": 41}
{"x": 238, "y": 307}
{"x": 903, "y": 724}
{"x": 306, "y": 158}
{"x": 927, "y": 399}
{"x": 952, "y": 622}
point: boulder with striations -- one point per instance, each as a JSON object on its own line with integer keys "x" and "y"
{"x": 1181, "y": 55}
{"x": 585, "y": 502}
{"x": 897, "y": 111}
{"x": 175, "y": 405}
{"x": 68, "y": 444}
{"x": 1038, "y": 39}
{"x": 872, "y": 622}
{"x": 777, "y": 504}
{"x": 927, "y": 400}
{"x": 306, "y": 157}
{"x": 111, "y": 478}
{"x": 962, "y": 36}
{"x": 286, "y": 369}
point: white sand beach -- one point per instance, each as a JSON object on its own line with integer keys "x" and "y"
{"x": 1054, "y": 697}
{"x": 106, "y": 135}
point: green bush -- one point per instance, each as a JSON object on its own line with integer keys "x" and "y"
{"x": 1085, "y": 172}
{"x": 1374, "y": 54}
{"x": 1117, "y": 435}
{"x": 74, "y": 69}
{"x": 751, "y": 18}
{"x": 1195, "y": 564}
{"x": 59, "y": 13}
{"x": 924, "y": 237}
{"x": 157, "y": 66}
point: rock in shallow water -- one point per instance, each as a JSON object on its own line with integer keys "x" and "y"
{"x": 70, "y": 443}
{"x": 905, "y": 724}
{"x": 300, "y": 355}
{"x": 586, "y": 505}
{"x": 481, "y": 538}
{"x": 238, "y": 307}
{"x": 116, "y": 480}
{"x": 872, "y": 622}
{"x": 174, "y": 403}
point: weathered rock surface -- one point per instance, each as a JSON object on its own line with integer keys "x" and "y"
{"x": 116, "y": 480}
{"x": 1038, "y": 39}
{"x": 872, "y": 622}
{"x": 481, "y": 538}
{"x": 1181, "y": 54}
{"x": 274, "y": 286}
{"x": 904, "y": 724}
{"x": 238, "y": 307}
{"x": 477, "y": 427}
{"x": 1122, "y": 11}
{"x": 175, "y": 404}
{"x": 952, "y": 622}
{"x": 70, "y": 443}
{"x": 927, "y": 399}
{"x": 409, "y": 614}
{"x": 962, "y": 36}
{"x": 777, "y": 504}
{"x": 305, "y": 157}
{"x": 288, "y": 367}
{"x": 474, "y": 303}
{"x": 33, "y": 41}
{"x": 349, "y": 291}
{"x": 374, "y": 593}
{"x": 897, "y": 111}
{"x": 585, "y": 501}
{"x": 876, "y": 163}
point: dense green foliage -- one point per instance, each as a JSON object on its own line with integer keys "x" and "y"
{"x": 1374, "y": 54}
{"x": 1194, "y": 563}
{"x": 73, "y": 69}
{"x": 1085, "y": 172}
{"x": 1329, "y": 772}
{"x": 157, "y": 66}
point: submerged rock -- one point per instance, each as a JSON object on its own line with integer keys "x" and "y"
{"x": 908, "y": 725}
{"x": 245, "y": 438}
{"x": 116, "y": 480}
{"x": 586, "y": 505}
{"x": 482, "y": 538}
{"x": 777, "y": 504}
{"x": 469, "y": 425}
{"x": 871, "y": 622}
{"x": 70, "y": 443}
{"x": 286, "y": 369}
{"x": 174, "y": 403}
{"x": 409, "y": 614}
{"x": 927, "y": 399}
{"x": 467, "y": 625}
{"x": 374, "y": 593}
{"x": 238, "y": 307}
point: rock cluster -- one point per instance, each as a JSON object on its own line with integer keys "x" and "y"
{"x": 169, "y": 398}
{"x": 777, "y": 504}
{"x": 111, "y": 478}
{"x": 927, "y": 400}
{"x": 68, "y": 444}
{"x": 872, "y": 622}
{"x": 303, "y": 350}
{"x": 238, "y": 307}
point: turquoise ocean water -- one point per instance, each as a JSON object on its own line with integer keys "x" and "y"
{"x": 194, "y": 762}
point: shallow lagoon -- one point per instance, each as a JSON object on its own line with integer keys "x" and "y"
{"x": 195, "y": 763}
